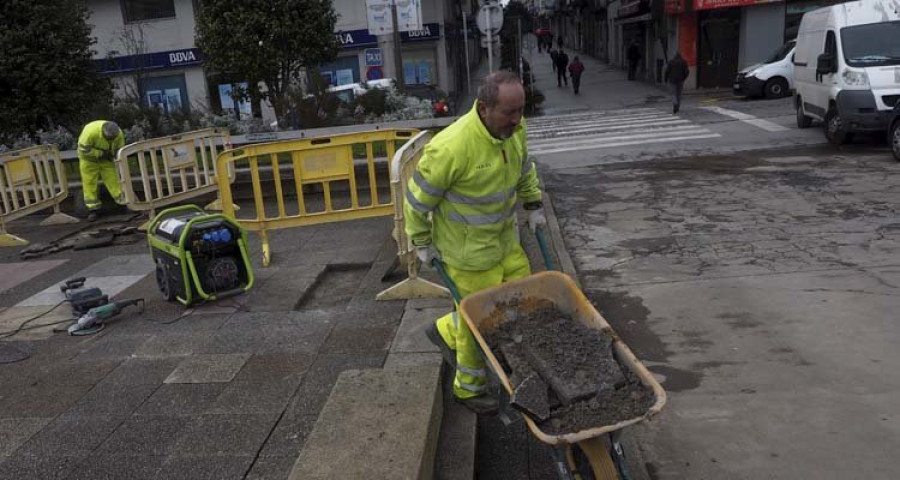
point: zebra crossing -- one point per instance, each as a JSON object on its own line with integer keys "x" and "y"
{"x": 609, "y": 129}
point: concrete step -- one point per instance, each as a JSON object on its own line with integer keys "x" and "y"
{"x": 376, "y": 424}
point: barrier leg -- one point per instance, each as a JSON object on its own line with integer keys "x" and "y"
{"x": 58, "y": 218}
{"x": 413, "y": 287}
{"x": 267, "y": 253}
{"x": 10, "y": 240}
{"x": 216, "y": 206}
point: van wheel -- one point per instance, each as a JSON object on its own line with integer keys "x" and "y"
{"x": 834, "y": 128}
{"x": 895, "y": 140}
{"x": 776, "y": 88}
{"x": 802, "y": 120}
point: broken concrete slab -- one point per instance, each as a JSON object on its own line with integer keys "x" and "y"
{"x": 376, "y": 424}
{"x": 530, "y": 396}
{"x": 208, "y": 368}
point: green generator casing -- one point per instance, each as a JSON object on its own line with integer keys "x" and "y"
{"x": 196, "y": 260}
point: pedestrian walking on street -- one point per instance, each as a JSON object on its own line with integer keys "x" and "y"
{"x": 461, "y": 210}
{"x": 575, "y": 70}
{"x": 553, "y": 56}
{"x": 634, "y": 56}
{"x": 559, "y": 42}
{"x": 98, "y": 145}
{"x": 562, "y": 61}
{"x": 676, "y": 73}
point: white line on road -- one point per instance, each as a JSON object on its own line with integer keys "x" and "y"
{"x": 592, "y": 139}
{"x": 622, "y": 144}
{"x": 533, "y": 124}
{"x": 747, "y": 118}
{"x": 559, "y": 133}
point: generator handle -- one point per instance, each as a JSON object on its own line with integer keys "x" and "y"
{"x": 169, "y": 212}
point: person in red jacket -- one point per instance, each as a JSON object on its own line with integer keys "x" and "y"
{"x": 575, "y": 70}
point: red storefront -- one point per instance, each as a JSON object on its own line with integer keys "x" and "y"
{"x": 710, "y": 31}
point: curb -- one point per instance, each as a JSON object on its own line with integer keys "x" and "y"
{"x": 565, "y": 261}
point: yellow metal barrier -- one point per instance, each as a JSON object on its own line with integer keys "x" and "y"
{"x": 172, "y": 169}
{"x": 31, "y": 179}
{"x": 314, "y": 168}
{"x": 403, "y": 165}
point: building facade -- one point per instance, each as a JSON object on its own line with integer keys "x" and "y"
{"x": 148, "y": 48}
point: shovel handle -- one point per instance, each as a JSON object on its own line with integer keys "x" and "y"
{"x": 439, "y": 267}
{"x": 545, "y": 252}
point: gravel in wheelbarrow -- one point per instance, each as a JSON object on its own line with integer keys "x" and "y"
{"x": 564, "y": 373}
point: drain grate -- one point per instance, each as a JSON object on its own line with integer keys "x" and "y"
{"x": 335, "y": 286}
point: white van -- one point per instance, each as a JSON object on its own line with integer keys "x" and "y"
{"x": 847, "y": 67}
{"x": 773, "y": 78}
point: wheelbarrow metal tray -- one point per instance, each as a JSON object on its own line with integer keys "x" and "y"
{"x": 483, "y": 313}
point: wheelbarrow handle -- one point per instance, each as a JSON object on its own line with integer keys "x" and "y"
{"x": 439, "y": 267}
{"x": 545, "y": 251}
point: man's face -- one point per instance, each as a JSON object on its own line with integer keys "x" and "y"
{"x": 502, "y": 119}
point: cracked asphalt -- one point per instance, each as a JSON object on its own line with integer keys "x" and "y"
{"x": 761, "y": 288}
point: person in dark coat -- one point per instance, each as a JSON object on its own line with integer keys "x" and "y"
{"x": 575, "y": 70}
{"x": 676, "y": 73}
{"x": 634, "y": 56}
{"x": 553, "y": 56}
{"x": 559, "y": 42}
{"x": 562, "y": 61}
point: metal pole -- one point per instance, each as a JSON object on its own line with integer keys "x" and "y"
{"x": 490, "y": 37}
{"x": 466, "y": 44}
{"x": 520, "y": 47}
{"x": 398, "y": 54}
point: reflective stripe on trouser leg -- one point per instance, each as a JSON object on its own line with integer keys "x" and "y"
{"x": 90, "y": 177}
{"x": 470, "y": 375}
{"x": 110, "y": 175}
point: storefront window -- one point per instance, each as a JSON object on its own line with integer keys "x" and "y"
{"x": 141, "y": 10}
{"x": 169, "y": 94}
{"x": 419, "y": 72}
{"x": 343, "y": 71}
{"x": 230, "y": 106}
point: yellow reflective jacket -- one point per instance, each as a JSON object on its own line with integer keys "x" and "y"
{"x": 93, "y": 146}
{"x": 469, "y": 182}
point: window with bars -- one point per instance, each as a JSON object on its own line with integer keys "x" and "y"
{"x": 141, "y": 10}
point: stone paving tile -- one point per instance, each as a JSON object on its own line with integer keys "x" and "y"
{"x": 306, "y": 339}
{"x": 138, "y": 264}
{"x": 208, "y": 368}
{"x": 143, "y": 435}
{"x": 182, "y": 399}
{"x": 281, "y": 366}
{"x": 205, "y": 468}
{"x": 224, "y": 435}
{"x": 115, "y": 467}
{"x": 372, "y": 313}
{"x": 400, "y": 360}
{"x": 113, "y": 399}
{"x": 248, "y": 398}
{"x": 84, "y": 372}
{"x": 113, "y": 347}
{"x": 321, "y": 377}
{"x": 13, "y": 274}
{"x": 29, "y": 467}
{"x": 289, "y": 436}
{"x": 282, "y": 291}
{"x": 143, "y": 371}
{"x": 19, "y": 374}
{"x": 228, "y": 340}
{"x": 71, "y": 435}
{"x": 170, "y": 345}
{"x": 41, "y": 400}
{"x": 16, "y": 431}
{"x": 359, "y": 339}
{"x": 411, "y": 334}
{"x": 272, "y": 468}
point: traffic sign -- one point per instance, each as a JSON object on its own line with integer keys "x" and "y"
{"x": 373, "y": 57}
{"x": 490, "y": 16}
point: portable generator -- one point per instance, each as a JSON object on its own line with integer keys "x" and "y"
{"x": 198, "y": 256}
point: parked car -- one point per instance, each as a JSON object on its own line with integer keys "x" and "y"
{"x": 440, "y": 102}
{"x": 773, "y": 78}
{"x": 847, "y": 67}
{"x": 894, "y": 132}
{"x": 347, "y": 93}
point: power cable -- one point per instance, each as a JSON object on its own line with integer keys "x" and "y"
{"x": 22, "y": 327}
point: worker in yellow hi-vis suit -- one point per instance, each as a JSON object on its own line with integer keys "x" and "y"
{"x": 97, "y": 147}
{"x": 460, "y": 208}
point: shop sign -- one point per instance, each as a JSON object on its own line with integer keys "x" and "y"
{"x": 429, "y": 31}
{"x": 356, "y": 39}
{"x": 151, "y": 61}
{"x": 712, "y": 4}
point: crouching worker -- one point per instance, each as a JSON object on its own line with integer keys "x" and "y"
{"x": 97, "y": 147}
{"x": 461, "y": 209}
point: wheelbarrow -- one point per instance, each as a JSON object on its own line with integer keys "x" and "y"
{"x": 595, "y": 453}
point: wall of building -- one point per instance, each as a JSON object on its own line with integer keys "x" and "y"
{"x": 108, "y": 26}
{"x": 762, "y": 32}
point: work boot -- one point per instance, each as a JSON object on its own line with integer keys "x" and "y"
{"x": 481, "y": 405}
{"x": 92, "y": 216}
{"x": 434, "y": 337}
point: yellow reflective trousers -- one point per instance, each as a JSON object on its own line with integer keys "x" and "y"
{"x": 471, "y": 376}
{"x": 91, "y": 172}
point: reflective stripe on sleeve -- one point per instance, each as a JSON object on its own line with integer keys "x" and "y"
{"x": 417, "y": 205}
{"x": 427, "y": 187}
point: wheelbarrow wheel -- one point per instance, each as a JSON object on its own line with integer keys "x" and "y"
{"x": 590, "y": 460}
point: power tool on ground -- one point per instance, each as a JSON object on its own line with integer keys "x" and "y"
{"x": 93, "y": 321}
{"x": 82, "y": 299}
{"x": 199, "y": 256}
